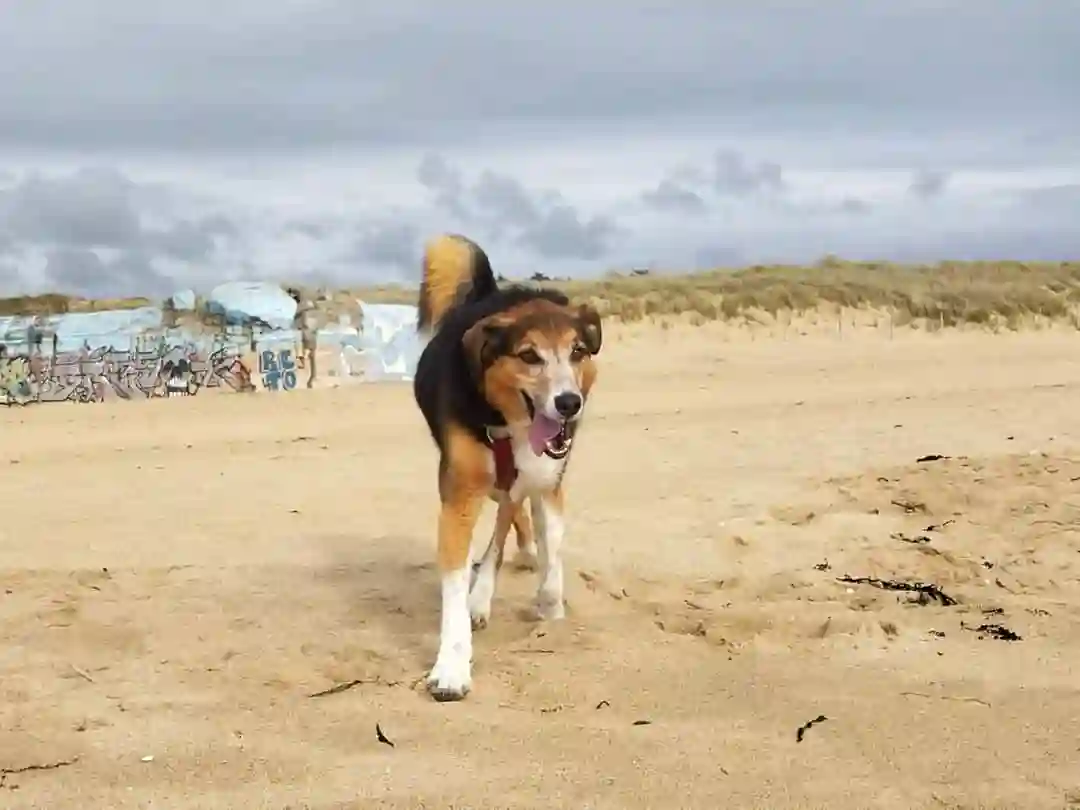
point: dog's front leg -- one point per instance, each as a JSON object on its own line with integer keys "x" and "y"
{"x": 483, "y": 588}
{"x": 547, "y": 514}
{"x": 451, "y": 677}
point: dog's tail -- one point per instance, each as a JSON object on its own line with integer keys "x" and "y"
{"x": 456, "y": 271}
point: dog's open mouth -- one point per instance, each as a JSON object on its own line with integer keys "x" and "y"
{"x": 559, "y": 446}
{"x": 547, "y": 436}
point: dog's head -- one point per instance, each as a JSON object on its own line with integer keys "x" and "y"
{"x": 534, "y": 363}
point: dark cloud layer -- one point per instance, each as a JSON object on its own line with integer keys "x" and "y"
{"x": 73, "y": 218}
{"x": 96, "y": 231}
{"x": 244, "y": 75}
{"x": 104, "y": 83}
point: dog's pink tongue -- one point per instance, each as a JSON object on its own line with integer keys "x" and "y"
{"x": 541, "y": 431}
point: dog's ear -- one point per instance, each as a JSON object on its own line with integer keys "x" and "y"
{"x": 592, "y": 335}
{"x": 482, "y": 344}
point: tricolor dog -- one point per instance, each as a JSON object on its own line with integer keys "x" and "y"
{"x": 503, "y": 383}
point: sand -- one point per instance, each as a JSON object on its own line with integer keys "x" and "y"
{"x": 178, "y": 576}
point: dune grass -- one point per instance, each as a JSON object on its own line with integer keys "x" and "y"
{"x": 998, "y": 293}
{"x": 1003, "y": 293}
{"x": 58, "y": 304}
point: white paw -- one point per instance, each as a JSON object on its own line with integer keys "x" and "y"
{"x": 481, "y": 593}
{"x": 450, "y": 678}
{"x": 480, "y": 605}
{"x": 525, "y": 559}
{"x": 550, "y": 607}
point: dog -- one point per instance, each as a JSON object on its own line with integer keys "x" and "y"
{"x": 502, "y": 382}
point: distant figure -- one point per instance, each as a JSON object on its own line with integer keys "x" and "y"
{"x": 34, "y": 338}
{"x": 304, "y": 323}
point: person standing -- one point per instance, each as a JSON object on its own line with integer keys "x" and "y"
{"x": 304, "y": 321}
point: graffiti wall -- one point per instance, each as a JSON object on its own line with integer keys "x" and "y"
{"x": 96, "y": 376}
{"x": 61, "y": 359}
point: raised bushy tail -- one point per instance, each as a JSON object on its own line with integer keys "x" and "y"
{"x": 456, "y": 271}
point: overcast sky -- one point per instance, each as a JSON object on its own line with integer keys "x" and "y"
{"x": 150, "y": 146}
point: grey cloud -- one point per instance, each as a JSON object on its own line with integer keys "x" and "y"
{"x": 736, "y": 176}
{"x": 1023, "y": 241}
{"x": 505, "y": 199}
{"x": 1031, "y": 225}
{"x": 503, "y": 207}
{"x": 99, "y": 208}
{"x": 251, "y": 75}
{"x": 395, "y": 245}
{"x": 308, "y": 228}
{"x": 533, "y": 226}
{"x": 669, "y": 195}
{"x": 10, "y": 275}
{"x": 444, "y": 182}
{"x": 91, "y": 207}
{"x": 689, "y": 175}
{"x": 75, "y": 269}
{"x": 563, "y": 234}
{"x": 436, "y": 174}
{"x": 853, "y": 205}
{"x": 218, "y": 225}
{"x": 713, "y": 256}
{"x": 71, "y": 218}
{"x": 1064, "y": 198}
{"x": 928, "y": 184}
{"x": 81, "y": 271}
{"x": 693, "y": 190}
{"x": 190, "y": 240}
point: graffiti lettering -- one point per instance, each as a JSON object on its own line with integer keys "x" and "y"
{"x": 96, "y": 376}
{"x": 14, "y": 378}
{"x": 278, "y": 369}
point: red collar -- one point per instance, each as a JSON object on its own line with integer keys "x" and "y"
{"x": 505, "y": 470}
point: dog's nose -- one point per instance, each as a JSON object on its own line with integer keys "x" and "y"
{"x": 568, "y": 404}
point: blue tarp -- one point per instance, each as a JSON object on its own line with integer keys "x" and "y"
{"x": 117, "y": 328}
{"x": 183, "y": 300}
{"x": 244, "y": 301}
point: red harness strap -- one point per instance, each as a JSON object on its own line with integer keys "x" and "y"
{"x": 505, "y": 469}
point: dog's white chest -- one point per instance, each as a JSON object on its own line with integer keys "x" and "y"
{"x": 536, "y": 473}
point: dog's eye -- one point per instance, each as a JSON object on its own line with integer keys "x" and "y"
{"x": 579, "y": 353}
{"x": 530, "y": 357}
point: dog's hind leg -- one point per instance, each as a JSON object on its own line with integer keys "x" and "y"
{"x": 525, "y": 559}
{"x": 483, "y": 587}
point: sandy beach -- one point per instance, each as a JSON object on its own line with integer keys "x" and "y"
{"x": 179, "y": 577}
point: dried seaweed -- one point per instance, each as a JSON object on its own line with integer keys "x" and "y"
{"x": 927, "y": 592}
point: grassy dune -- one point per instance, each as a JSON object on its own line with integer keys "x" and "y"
{"x": 1002, "y": 294}
{"x": 58, "y": 304}
{"x": 997, "y": 294}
